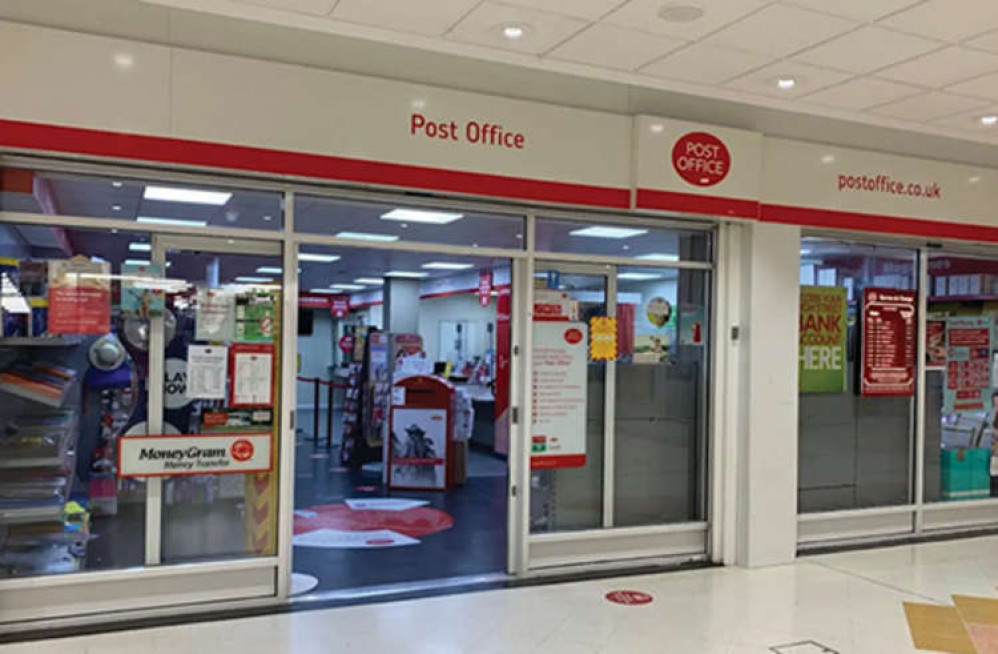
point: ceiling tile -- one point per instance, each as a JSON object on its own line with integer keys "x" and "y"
{"x": 644, "y": 15}
{"x": 928, "y": 106}
{"x": 780, "y": 30}
{"x": 544, "y": 30}
{"x": 866, "y": 50}
{"x": 430, "y": 17}
{"x": 865, "y": 10}
{"x": 949, "y": 20}
{"x": 589, "y": 9}
{"x": 316, "y": 7}
{"x": 861, "y": 93}
{"x": 943, "y": 67}
{"x": 809, "y": 79}
{"x": 615, "y": 47}
{"x": 979, "y": 87}
{"x": 987, "y": 42}
{"x": 702, "y": 63}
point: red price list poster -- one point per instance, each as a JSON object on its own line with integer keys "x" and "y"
{"x": 968, "y": 365}
{"x": 889, "y": 333}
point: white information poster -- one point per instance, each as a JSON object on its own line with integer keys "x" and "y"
{"x": 558, "y": 425}
{"x": 216, "y": 315}
{"x": 419, "y": 448}
{"x": 252, "y": 381}
{"x": 206, "y": 371}
{"x": 194, "y": 454}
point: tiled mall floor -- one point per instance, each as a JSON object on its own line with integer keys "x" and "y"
{"x": 852, "y": 603}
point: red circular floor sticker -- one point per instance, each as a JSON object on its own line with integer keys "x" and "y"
{"x": 629, "y": 597}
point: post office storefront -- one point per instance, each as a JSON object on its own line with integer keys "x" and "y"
{"x": 414, "y": 338}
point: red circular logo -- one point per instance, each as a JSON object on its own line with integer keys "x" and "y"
{"x": 629, "y": 597}
{"x": 573, "y": 336}
{"x": 346, "y": 343}
{"x": 701, "y": 159}
{"x": 241, "y": 450}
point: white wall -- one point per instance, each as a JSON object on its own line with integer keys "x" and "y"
{"x": 455, "y": 307}
{"x": 767, "y": 417}
{"x": 316, "y": 353}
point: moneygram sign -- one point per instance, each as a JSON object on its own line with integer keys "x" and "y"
{"x": 195, "y": 454}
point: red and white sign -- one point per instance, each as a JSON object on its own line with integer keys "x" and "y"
{"x": 194, "y": 454}
{"x": 346, "y": 343}
{"x": 314, "y": 301}
{"x": 485, "y": 287}
{"x": 251, "y": 374}
{"x": 554, "y": 306}
{"x": 339, "y": 306}
{"x": 79, "y": 296}
{"x": 559, "y": 382}
{"x": 701, "y": 159}
{"x": 889, "y": 339}
{"x": 629, "y": 597}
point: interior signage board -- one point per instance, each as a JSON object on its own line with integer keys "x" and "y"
{"x": 559, "y": 387}
{"x": 888, "y": 340}
{"x": 822, "y": 339}
{"x": 968, "y": 364}
{"x": 194, "y": 454}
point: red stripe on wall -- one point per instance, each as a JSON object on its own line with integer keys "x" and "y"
{"x": 699, "y": 204}
{"x": 549, "y": 461}
{"x": 34, "y": 136}
{"x": 874, "y": 223}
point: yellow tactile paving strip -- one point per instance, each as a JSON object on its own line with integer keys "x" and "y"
{"x": 968, "y": 627}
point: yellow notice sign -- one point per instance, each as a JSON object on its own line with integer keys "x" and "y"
{"x": 603, "y": 338}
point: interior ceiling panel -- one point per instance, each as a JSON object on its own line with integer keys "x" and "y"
{"x": 752, "y": 44}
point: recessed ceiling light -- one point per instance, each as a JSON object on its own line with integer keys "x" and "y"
{"x": 117, "y": 184}
{"x": 447, "y": 265}
{"x": 405, "y": 274}
{"x": 680, "y": 13}
{"x": 327, "y": 291}
{"x": 186, "y": 195}
{"x": 657, "y": 128}
{"x": 370, "y": 281}
{"x": 975, "y": 179}
{"x": 638, "y": 277}
{"x": 362, "y": 236}
{"x": 115, "y": 207}
{"x": 658, "y": 256}
{"x": 422, "y": 216}
{"x": 989, "y": 121}
{"x": 786, "y": 83}
{"x": 124, "y": 60}
{"x": 268, "y": 218}
{"x": 319, "y": 258}
{"x": 347, "y": 287}
{"x": 177, "y": 222}
{"x": 270, "y": 270}
{"x": 513, "y": 31}
{"x": 828, "y": 159}
{"x": 140, "y": 247}
{"x": 418, "y": 104}
{"x": 255, "y": 280}
{"x": 605, "y": 231}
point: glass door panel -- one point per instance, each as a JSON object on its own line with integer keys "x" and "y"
{"x": 219, "y": 340}
{"x": 569, "y": 495}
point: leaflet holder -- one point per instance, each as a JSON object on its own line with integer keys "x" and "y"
{"x": 420, "y": 448}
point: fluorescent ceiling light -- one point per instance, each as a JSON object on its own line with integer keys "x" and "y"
{"x": 347, "y": 287}
{"x": 658, "y": 256}
{"x": 605, "y": 231}
{"x": 137, "y": 262}
{"x": 422, "y": 216}
{"x": 406, "y": 274}
{"x": 326, "y": 291}
{"x": 446, "y": 265}
{"x": 177, "y": 222}
{"x": 370, "y": 281}
{"x": 140, "y": 247}
{"x": 319, "y": 258}
{"x": 270, "y": 270}
{"x": 255, "y": 280}
{"x": 638, "y": 277}
{"x": 186, "y": 195}
{"x": 361, "y": 236}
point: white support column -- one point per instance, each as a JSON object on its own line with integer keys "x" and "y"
{"x": 767, "y": 425}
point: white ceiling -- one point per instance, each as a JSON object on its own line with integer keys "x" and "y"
{"x": 930, "y": 65}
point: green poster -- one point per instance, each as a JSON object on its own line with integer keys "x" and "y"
{"x": 822, "y": 339}
{"x": 255, "y": 318}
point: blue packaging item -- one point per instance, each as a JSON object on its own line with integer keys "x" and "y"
{"x": 966, "y": 473}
